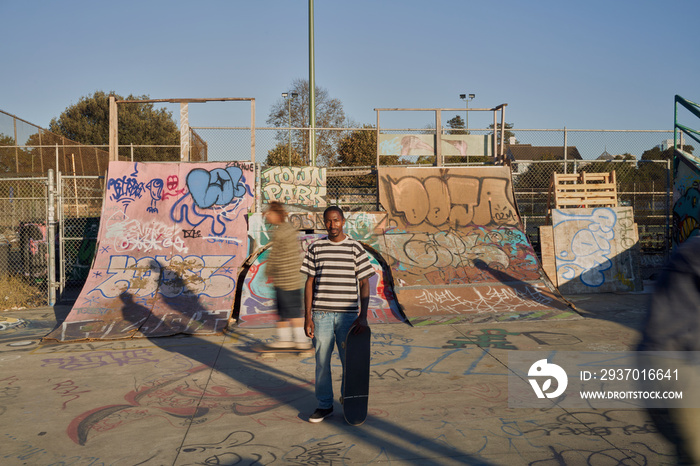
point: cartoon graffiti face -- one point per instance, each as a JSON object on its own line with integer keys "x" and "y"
{"x": 155, "y": 187}
{"x": 172, "y": 182}
{"x": 686, "y": 212}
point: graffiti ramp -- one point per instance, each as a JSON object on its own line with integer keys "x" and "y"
{"x": 256, "y": 305}
{"x": 457, "y": 248}
{"x": 171, "y": 240}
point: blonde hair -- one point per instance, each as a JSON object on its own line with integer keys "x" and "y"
{"x": 278, "y": 208}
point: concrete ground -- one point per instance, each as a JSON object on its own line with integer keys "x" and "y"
{"x": 438, "y": 395}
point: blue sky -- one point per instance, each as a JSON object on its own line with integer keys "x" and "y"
{"x": 586, "y": 65}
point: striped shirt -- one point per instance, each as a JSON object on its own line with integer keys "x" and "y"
{"x": 337, "y": 267}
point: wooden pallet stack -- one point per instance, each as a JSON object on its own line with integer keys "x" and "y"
{"x": 582, "y": 190}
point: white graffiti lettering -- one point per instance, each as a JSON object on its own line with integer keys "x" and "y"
{"x": 176, "y": 275}
{"x": 131, "y": 235}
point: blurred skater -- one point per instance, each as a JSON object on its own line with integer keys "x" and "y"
{"x": 283, "y": 269}
{"x": 673, "y": 324}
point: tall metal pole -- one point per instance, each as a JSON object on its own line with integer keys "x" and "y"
{"x": 289, "y": 144}
{"x": 312, "y": 89}
{"x": 466, "y": 121}
{"x": 467, "y": 98}
{"x": 51, "y": 233}
{"x": 466, "y": 125}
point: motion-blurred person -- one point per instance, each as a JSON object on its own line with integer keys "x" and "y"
{"x": 673, "y": 324}
{"x": 283, "y": 269}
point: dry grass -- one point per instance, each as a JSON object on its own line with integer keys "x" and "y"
{"x": 16, "y": 293}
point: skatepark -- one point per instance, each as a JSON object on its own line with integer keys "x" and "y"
{"x": 449, "y": 245}
{"x": 140, "y": 370}
{"x": 153, "y": 364}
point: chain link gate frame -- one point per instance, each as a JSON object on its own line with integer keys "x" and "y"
{"x": 79, "y": 206}
{"x": 27, "y": 242}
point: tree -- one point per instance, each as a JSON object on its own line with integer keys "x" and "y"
{"x": 456, "y": 125}
{"x": 329, "y": 114}
{"x": 7, "y": 160}
{"x": 507, "y": 134}
{"x": 87, "y": 122}
{"x": 359, "y": 149}
{"x": 650, "y": 172}
{"x": 538, "y": 175}
{"x": 14, "y": 159}
{"x": 280, "y": 157}
{"x": 623, "y": 165}
{"x": 656, "y": 153}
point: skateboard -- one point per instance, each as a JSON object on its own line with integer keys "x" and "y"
{"x": 263, "y": 348}
{"x": 356, "y": 376}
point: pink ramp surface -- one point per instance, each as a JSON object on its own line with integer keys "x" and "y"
{"x": 456, "y": 246}
{"x": 172, "y": 238}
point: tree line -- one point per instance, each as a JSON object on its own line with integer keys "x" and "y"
{"x": 351, "y": 144}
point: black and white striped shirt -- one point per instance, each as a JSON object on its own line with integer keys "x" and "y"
{"x": 337, "y": 268}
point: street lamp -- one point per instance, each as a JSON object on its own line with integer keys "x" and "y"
{"x": 467, "y": 98}
{"x": 289, "y": 96}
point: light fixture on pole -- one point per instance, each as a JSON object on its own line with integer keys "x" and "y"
{"x": 467, "y": 98}
{"x": 289, "y": 96}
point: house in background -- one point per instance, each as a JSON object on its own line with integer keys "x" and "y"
{"x": 605, "y": 156}
{"x": 521, "y": 154}
{"x": 608, "y": 157}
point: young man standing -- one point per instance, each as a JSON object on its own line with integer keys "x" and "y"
{"x": 336, "y": 267}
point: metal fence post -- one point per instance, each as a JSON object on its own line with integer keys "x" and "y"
{"x": 669, "y": 187}
{"x": 258, "y": 188}
{"x": 51, "y": 233}
{"x": 565, "y": 154}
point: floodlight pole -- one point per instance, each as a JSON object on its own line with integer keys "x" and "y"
{"x": 312, "y": 89}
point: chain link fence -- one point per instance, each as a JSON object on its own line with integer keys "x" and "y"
{"x": 80, "y": 207}
{"x": 27, "y": 149}
{"x": 644, "y": 185}
{"x": 24, "y": 242}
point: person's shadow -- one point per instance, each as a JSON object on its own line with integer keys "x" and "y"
{"x": 193, "y": 393}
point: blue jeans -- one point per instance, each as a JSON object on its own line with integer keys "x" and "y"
{"x": 330, "y": 329}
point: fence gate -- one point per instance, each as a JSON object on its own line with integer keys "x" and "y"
{"x": 79, "y": 205}
{"x": 25, "y": 243}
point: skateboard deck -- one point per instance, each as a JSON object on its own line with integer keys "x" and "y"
{"x": 263, "y": 348}
{"x": 356, "y": 376}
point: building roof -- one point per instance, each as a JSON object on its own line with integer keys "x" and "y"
{"x": 529, "y": 152}
{"x": 605, "y": 156}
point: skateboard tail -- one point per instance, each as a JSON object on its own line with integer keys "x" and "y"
{"x": 356, "y": 377}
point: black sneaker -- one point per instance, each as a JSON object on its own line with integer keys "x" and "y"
{"x": 320, "y": 414}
